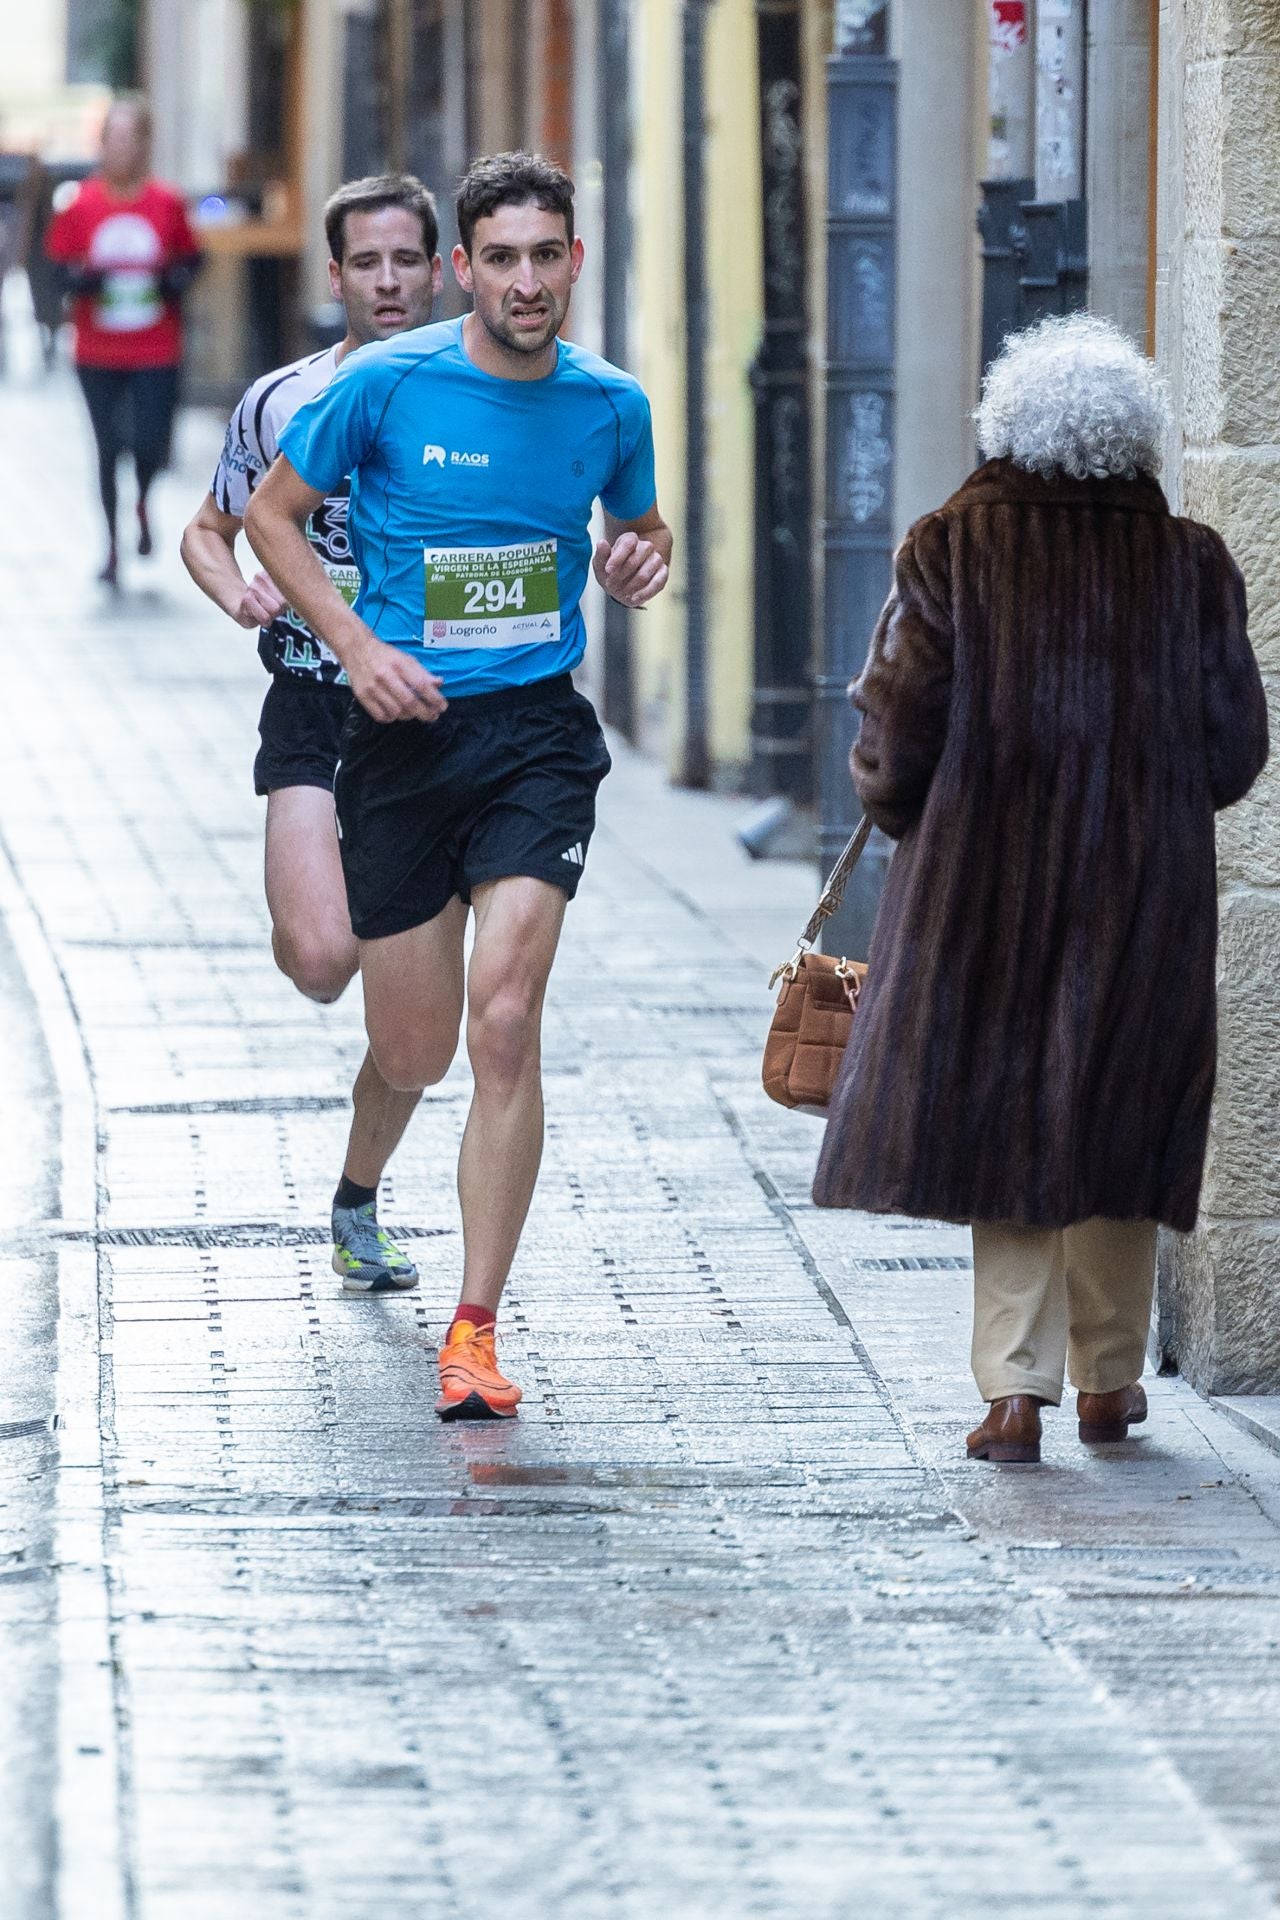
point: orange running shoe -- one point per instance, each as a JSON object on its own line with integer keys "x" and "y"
{"x": 471, "y": 1387}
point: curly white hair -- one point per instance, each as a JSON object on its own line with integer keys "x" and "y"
{"x": 1073, "y": 396}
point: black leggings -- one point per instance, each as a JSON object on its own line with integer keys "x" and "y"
{"x": 132, "y": 412}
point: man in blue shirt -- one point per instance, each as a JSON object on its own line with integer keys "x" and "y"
{"x": 469, "y": 766}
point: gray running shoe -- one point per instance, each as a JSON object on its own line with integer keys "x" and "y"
{"x": 365, "y": 1256}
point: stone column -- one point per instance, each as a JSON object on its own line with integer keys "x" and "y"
{"x": 940, "y": 150}
{"x": 1118, "y": 91}
{"x": 323, "y": 52}
{"x": 1217, "y": 330}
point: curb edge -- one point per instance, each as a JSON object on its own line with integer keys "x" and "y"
{"x": 1260, "y": 1422}
{"x": 89, "y": 1870}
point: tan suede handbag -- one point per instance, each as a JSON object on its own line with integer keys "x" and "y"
{"x": 814, "y": 1015}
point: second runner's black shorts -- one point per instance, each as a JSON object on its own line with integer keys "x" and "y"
{"x": 301, "y": 728}
{"x": 501, "y": 784}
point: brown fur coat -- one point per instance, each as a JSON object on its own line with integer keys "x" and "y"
{"x": 1059, "y": 694}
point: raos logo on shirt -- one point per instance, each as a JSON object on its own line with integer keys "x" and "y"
{"x": 437, "y": 456}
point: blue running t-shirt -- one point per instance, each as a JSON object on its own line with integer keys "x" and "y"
{"x": 471, "y": 497}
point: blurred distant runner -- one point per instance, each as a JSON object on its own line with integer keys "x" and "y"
{"x": 469, "y": 768}
{"x": 128, "y": 253}
{"x": 384, "y": 268}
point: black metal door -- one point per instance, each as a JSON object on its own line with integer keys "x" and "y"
{"x": 1034, "y": 259}
{"x": 781, "y": 745}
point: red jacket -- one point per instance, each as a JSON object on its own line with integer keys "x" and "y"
{"x": 128, "y": 320}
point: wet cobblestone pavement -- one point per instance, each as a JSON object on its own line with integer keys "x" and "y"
{"x": 724, "y": 1626}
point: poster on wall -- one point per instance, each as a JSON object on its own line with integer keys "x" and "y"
{"x": 1008, "y": 25}
{"x": 862, "y": 26}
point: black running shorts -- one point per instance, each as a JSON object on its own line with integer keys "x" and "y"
{"x": 502, "y": 784}
{"x": 301, "y": 727}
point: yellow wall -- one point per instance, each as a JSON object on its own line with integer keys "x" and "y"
{"x": 735, "y": 273}
{"x": 657, "y": 345}
{"x": 658, "y": 321}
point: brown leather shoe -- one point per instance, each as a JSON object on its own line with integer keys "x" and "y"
{"x": 1105, "y": 1417}
{"x": 1010, "y": 1433}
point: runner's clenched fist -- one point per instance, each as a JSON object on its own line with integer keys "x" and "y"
{"x": 261, "y": 603}
{"x": 630, "y": 569}
{"x": 391, "y": 686}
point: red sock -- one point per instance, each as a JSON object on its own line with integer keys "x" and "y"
{"x": 479, "y": 1317}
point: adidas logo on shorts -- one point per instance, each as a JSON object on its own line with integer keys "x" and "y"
{"x": 574, "y": 855}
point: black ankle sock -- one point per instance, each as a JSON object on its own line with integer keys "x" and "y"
{"x": 351, "y": 1195}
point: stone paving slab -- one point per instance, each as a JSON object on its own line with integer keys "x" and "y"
{"x": 723, "y": 1626}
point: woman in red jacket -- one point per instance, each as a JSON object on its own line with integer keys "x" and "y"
{"x": 128, "y": 253}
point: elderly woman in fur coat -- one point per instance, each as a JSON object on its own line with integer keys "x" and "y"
{"x": 1059, "y": 695}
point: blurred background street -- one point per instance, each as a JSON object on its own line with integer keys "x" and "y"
{"x": 740, "y": 1648}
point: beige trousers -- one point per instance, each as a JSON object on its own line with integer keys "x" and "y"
{"x": 1045, "y": 1300}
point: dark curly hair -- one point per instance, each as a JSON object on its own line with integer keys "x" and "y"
{"x": 512, "y": 180}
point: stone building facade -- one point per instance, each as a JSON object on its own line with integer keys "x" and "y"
{"x": 1218, "y": 338}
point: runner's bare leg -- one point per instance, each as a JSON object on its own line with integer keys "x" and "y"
{"x": 313, "y": 944}
{"x": 518, "y": 924}
{"x": 413, "y": 992}
{"x": 413, "y": 986}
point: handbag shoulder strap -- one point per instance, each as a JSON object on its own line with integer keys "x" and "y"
{"x": 833, "y": 892}
{"x": 832, "y": 895}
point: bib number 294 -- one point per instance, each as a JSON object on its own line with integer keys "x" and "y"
{"x": 494, "y": 596}
{"x": 491, "y": 596}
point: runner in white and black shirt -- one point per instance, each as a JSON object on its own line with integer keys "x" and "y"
{"x": 384, "y": 268}
{"x": 286, "y": 643}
